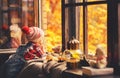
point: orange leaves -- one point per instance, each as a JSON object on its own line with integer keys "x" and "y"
{"x": 53, "y": 32}
{"x": 97, "y": 27}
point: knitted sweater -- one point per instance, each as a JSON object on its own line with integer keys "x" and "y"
{"x": 51, "y": 69}
{"x": 17, "y": 65}
{"x": 16, "y": 62}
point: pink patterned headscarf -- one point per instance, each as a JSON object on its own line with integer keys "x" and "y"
{"x": 32, "y": 33}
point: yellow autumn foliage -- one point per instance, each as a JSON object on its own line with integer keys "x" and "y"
{"x": 97, "y": 26}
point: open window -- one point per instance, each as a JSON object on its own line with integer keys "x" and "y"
{"x": 84, "y": 19}
{"x": 93, "y": 23}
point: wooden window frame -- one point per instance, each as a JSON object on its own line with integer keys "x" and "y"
{"x": 113, "y": 40}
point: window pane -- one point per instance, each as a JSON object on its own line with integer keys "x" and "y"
{"x": 97, "y": 27}
{"x": 69, "y": 1}
{"x": 12, "y": 20}
{"x": 95, "y": 0}
{"x": 53, "y": 32}
{"x": 66, "y": 1}
{"x": 81, "y": 29}
{"x": 28, "y": 13}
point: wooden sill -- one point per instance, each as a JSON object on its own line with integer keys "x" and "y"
{"x": 8, "y": 51}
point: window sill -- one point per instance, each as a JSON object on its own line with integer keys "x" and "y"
{"x": 7, "y": 51}
{"x": 78, "y": 74}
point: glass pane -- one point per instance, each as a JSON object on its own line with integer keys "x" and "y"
{"x": 95, "y": 0}
{"x": 81, "y": 29}
{"x": 66, "y": 1}
{"x": 76, "y": 1}
{"x": 4, "y": 4}
{"x": 97, "y": 27}
{"x": 5, "y": 19}
{"x": 28, "y": 13}
{"x": 10, "y": 17}
{"x": 12, "y": 20}
{"x": 4, "y": 33}
{"x": 53, "y": 32}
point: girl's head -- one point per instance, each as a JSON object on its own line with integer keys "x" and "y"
{"x": 33, "y": 34}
